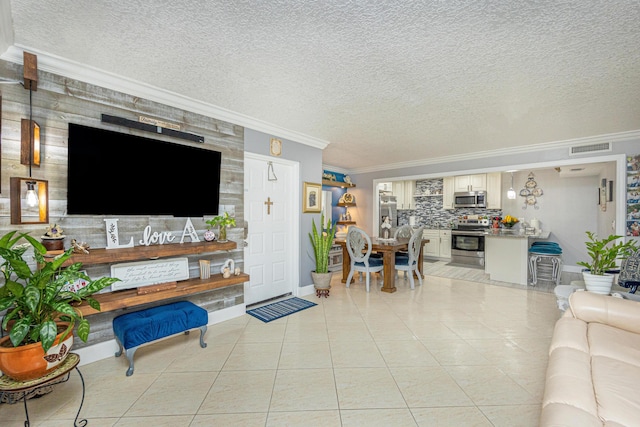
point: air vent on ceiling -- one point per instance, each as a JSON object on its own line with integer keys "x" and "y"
{"x": 592, "y": 148}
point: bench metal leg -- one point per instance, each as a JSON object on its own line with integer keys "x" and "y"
{"x": 130, "y": 352}
{"x": 203, "y": 330}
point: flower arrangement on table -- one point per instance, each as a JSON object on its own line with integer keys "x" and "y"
{"x": 509, "y": 221}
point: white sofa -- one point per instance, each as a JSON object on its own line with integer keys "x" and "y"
{"x": 593, "y": 376}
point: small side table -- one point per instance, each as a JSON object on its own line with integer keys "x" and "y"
{"x": 14, "y": 391}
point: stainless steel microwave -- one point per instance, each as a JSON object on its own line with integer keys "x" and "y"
{"x": 470, "y": 199}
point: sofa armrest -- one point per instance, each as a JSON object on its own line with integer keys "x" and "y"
{"x": 591, "y": 307}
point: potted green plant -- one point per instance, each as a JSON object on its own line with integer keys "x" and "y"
{"x": 322, "y": 241}
{"x": 222, "y": 222}
{"x": 604, "y": 255}
{"x": 38, "y": 299}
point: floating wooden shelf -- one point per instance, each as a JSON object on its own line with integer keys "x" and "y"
{"x": 116, "y": 300}
{"x": 346, "y": 205}
{"x": 346, "y": 222}
{"x": 112, "y": 256}
{"x": 129, "y": 298}
{"x": 341, "y": 184}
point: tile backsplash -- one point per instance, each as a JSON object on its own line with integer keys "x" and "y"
{"x": 428, "y": 209}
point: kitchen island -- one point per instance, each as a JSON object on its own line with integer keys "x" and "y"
{"x": 507, "y": 254}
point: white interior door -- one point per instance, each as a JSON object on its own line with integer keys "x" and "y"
{"x": 271, "y": 240}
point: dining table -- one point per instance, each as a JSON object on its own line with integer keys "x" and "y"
{"x": 388, "y": 248}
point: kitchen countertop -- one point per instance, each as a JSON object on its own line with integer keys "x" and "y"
{"x": 516, "y": 234}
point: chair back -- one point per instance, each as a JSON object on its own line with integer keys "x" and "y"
{"x": 414, "y": 245}
{"x": 357, "y": 241}
{"x": 630, "y": 268}
{"x": 403, "y": 231}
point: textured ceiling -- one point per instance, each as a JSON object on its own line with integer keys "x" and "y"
{"x": 382, "y": 81}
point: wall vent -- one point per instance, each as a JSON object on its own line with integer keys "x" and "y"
{"x": 591, "y": 148}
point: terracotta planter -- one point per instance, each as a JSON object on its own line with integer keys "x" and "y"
{"x": 53, "y": 244}
{"x": 598, "y": 284}
{"x": 27, "y": 362}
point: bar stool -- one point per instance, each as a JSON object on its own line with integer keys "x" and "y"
{"x": 545, "y": 262}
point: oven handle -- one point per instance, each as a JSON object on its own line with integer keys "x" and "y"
{"x": 468, "y": 233}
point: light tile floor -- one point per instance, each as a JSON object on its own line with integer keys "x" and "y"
{"x": 449, "y": 353}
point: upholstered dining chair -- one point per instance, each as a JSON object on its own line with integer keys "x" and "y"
{"x": 359, "y": 248}
{"x": 409, "y": 264}
{"x": 629, "y": 276}
{"x": 402, "y": 232}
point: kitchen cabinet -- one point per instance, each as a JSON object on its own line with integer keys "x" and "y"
{"x": 404, "y": 190}
{"x": 494, "y": 190}
{"x": 432, "y": 249}
{"x": 445, "y": 244}
{"x": 439, "y": 245}
{"x": 476, "y": 182}
{"x": 447, "y": 192}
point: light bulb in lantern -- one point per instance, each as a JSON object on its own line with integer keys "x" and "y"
{"x": 32, "y": 194}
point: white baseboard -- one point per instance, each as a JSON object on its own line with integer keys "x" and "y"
{"x": 306, "y": 290}
{"x": 106, "y": 349}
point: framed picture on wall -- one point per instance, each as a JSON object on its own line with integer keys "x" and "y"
{"x": 311, "y": 197}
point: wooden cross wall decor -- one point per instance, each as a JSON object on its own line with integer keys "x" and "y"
{"x": 268, "y": 203}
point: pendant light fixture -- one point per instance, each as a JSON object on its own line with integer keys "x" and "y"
{"x": 30, "y": 148}
{"x": 37, "y": 194}
{"x": 511, "y": 194}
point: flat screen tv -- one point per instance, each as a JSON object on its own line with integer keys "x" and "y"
{"x": 113, "y": 173}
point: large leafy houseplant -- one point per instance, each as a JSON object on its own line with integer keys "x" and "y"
{"x": 322, "y": 241}
{"x": 605, "y": 253}
{"x": 36, "y": 298}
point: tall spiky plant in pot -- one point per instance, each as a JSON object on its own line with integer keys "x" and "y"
{"x": 322, "y": 240}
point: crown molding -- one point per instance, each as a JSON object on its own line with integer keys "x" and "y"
{"x": 82, "y": 72}
{"x": 610, "y": 137}
{"x": 6, "y": 26}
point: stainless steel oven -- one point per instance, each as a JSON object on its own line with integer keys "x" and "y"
{"x": 467, "y": 242}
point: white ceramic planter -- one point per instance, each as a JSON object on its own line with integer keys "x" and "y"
{"x": 598, "y": 284}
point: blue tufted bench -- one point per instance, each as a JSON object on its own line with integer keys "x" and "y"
{"x": 134, "y": 329}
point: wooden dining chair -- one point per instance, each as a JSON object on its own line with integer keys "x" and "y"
{"x": 409, "y": 264}
{"x": 359, "y": 248}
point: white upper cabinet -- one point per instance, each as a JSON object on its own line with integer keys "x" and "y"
{"x": 404, "y": 190}
{"x": 476, "y": 182}
{"x": 494, "y": 190}
{"x": 447, "y": 192}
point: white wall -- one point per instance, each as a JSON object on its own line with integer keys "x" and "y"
{"x": 567, "y": 208}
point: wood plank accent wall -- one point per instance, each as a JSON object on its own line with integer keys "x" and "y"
{"x": 60, "y": 101}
